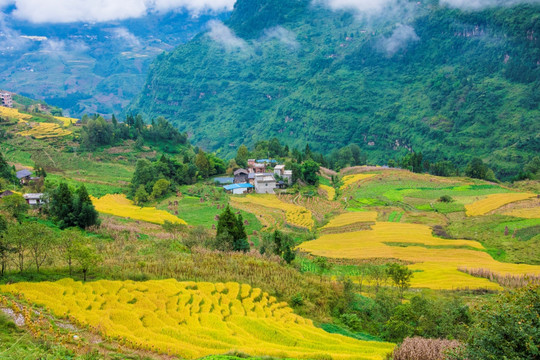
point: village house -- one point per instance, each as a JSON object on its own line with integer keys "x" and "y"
{"x": 238, "y": 189}
{"x": 36, "y": 199}
{"x": 6, "y": 193}
{"x": 6, "y": 99}
{"x": 24, "y": 176}
{"x": 265, "y": 183}
{"x": 241, "y": 176}
{"x": 285, "y": 175}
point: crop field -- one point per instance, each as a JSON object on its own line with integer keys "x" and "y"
{"x": 296, "y": 215}
{"x": 193, "y": 320}
{"x": 351, "y": 218}
{"x": 495, "y": 201}
{"x": 119, "y": 205}
{"x": 45, "y": 131}
{"x": 527, "y": 213}
{"x": 436, "y": 259}
{"x": 13, "y": 113}
{"x": 330, "y": 191}
{"x": 352, "y": 179}
{"x": 67, "y": 121}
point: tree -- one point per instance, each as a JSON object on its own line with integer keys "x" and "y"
{"x": 14, "y": 205}
{"x": 202, "y": 163}
{"x": 40, "y": 240}
{"x": 6, "y": 171}
{"x": 401, "y": 276}
{"x": 68, "y": 240}
{"x": 84, "y": 253}
{"x": 507, "y": 327}
{"x": 61, "y": 205}
{"x": 160, "y": 187}
{"x": 84, "y": 213}
{"x": 230, "y": 231}
{"x": 4, "y": 245}
{"x": 310, "y": 169}
{"x": 141, "y": 196}
{"x": 242, "y": 155}
{"x": 477, "y": 169}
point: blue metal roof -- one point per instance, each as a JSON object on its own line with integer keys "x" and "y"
{"x": 237, "y": 186}
{"x": 262, "y": 161}
{"x": 23, "y": 173}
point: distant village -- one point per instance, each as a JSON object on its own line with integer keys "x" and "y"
{"x": 262, "y": 176}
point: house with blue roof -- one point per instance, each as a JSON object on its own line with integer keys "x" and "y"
{"x": 239, "y": 189}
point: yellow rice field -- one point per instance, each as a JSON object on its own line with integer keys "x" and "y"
{"x": 45, "y": 131}
{"x": 527, "y": 213}
{"x": 13, "y": 113}
{"x": 296, "y": 215}
{"x": 193, "y": 320}
{"x": 119, "y": 205}
{"x": 436, "y": 258}
{"x": 351, "y": 179}
{"x": 330, "y": 191}
{"x": 67, "y": 121}
{"x": 493, "y": 202}
{"x": 351, "y": 218}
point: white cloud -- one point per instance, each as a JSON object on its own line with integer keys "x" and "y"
{"x": 285, "y": 36}
{"x": 66, "y": 11}
{"x": 11, "y": 40}
{"x": 221, "y": 34}
{"x": 481, "y": 4}
{"x": 362, "y": 6}
{"x": 124, "y": 35}
{"x": 402, "y": 36}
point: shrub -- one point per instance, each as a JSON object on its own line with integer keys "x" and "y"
{"x": 446, "y": 199}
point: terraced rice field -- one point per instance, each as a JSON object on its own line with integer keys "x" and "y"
{"x": 119, "y": 205}
{"x": 352, "y": 179}
{"x": 351, "y": 218}
{"x": 193, "y": 320}
{"x": 296, "y": 215}
{"x": 495, "y": 201}
{"x": 45, "y": 131}
{"x": 330, "y": 191}
{"x": 528, "y": 213}
{"x": 12, "y": 113}
{"x": 436, "y": 259}
{"x": 67, "y": 121}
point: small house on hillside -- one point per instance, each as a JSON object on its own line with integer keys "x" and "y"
{"x": 258, "y": 168}
{"x": 241, "y": 176}
{"x": 265, "y": 183}
{"x": 36, "y": 199}
{"x": 286, "y": 175}
{"x": 238, "y": 189}
{"x": 24, "y": 176}
{"x": 6, "y": 193}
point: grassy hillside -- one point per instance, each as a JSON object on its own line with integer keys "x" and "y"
{"x": 467, "y": 84}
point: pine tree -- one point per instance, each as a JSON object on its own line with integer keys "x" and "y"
{"x": 86, "y": 215}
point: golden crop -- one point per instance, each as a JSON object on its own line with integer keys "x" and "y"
{"x": 67, "y": 121}
{"x": 13, "y": 113}
{"x": 351, "y": 179}
{"x": 494, "y": 201}
{"x": 330, "y": 191}
{"x": 296, "y": 215}
{"x": 351, "y": 218}
{"x": 45, "y": 131}
{"x": 527, "y": 213}
{"x": 193, "y": 320}
{"x": 119, "y": 205}
{"x": 437, "y": 259}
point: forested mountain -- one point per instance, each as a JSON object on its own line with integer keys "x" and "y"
{"x": 418, "y": 76}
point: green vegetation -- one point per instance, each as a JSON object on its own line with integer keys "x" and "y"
{"x": 449, "y": 95}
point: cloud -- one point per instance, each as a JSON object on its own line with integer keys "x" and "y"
{"x": 67, "y": 11}
{"x": 402, "y": 36}
{"x": 481, "y": 4}
{"x": 11, "y": 40}
{"x": 127, "y": 38}
{"x": 285, "y": 36}
{"x": 221, "y": 34}
{"x": 63, "y": 48}
{"x": 362, "y": 6}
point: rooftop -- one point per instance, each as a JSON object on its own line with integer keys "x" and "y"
{"x": 23, "y": 173}
{"x": 237, "y": 186}
{"x": 33, "y": 196}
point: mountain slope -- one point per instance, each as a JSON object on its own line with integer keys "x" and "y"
{"x": 449, "y": 83}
